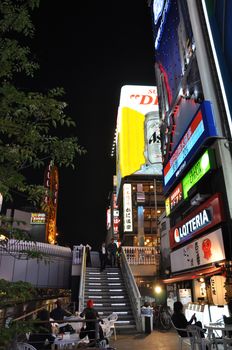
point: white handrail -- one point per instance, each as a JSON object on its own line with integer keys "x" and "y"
{"x": 82, "y": 281}
{"x": 132, "y": 289}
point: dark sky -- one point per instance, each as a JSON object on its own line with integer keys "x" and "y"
{"x": 92, "y": 49}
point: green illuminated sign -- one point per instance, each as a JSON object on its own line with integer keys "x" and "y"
{"x": 200, "y": 168}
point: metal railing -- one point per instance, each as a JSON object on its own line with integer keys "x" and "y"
{"x": 16, "y": 246}
{"x": 132, "y": 289}
{"x": 82, "y": 281}
{"x": 142, "y": 255}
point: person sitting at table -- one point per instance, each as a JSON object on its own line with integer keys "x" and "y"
{"x": 58, "y": 313}
{"x": 180, "y": 321}
{"x": 90, "y": 313}
{"x": 41, "y": 336}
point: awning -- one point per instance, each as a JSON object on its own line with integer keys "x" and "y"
{"x": 210, "y": 271}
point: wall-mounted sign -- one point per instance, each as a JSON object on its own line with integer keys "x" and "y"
{"x": 207, "y": 215}
{"x": 174, "y": 199}
{"x": 205, "y": 250}
{"x": 127, "y": 208}
{"x": 201, "y": 128}
{"x": 205, "y": 163}
{"x": 108, "y": 218}
{"x": 218, "y": 291}
{"x": 38, "y": 219}
{"x": 157, "y": 11}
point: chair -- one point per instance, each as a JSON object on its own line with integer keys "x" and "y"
{"x": 183, "y": 340}
{"x": 109, "y": 325}
{"x": 25, "y": 346}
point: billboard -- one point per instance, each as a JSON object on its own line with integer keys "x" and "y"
{"x": 206, "y": 216}
{"x": 138, "y": 132}
{"x": 204, "y": 164}
{"x": 205, "y": 250}
{"x": 38, "y": 218}
{"x": 200, "y": 129}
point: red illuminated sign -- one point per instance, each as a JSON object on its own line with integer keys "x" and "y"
{"x": 207, "y": 215}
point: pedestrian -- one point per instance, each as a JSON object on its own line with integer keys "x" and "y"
{"x": 91, "y": 314}
{"x": 118, "y": 254}
{"x": 88, "y": 256}
{"x": 112, "y": 249}
{"x": 58, "y": 313}
{"x": 103, "y": 256}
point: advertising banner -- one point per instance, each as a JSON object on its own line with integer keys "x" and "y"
{"x": 200, "y": 129}
{"x": 205, "y": 250}
{"x": 204, "y": 164}
{"x": 207, "y": 215}
{"x": 138, "y": 133}
{"x": 127, "y": 208}
{"x": 38, "y": 218}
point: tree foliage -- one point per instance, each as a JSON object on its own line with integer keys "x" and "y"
{"x": 29, "y": 120}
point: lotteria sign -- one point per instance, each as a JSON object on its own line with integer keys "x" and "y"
{"x": 205, "y": 163}
{"x": 203, "y": 218}
{"x": 201, "y": 128}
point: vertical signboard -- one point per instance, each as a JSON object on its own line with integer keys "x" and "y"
{"x": 127, "y": 208}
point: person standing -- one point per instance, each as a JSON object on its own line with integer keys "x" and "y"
{"x": 112, "y": 249}
{"x": 88, "y": 256}
{"x": 91, "y": 314}
{"x": 103, "y": 256}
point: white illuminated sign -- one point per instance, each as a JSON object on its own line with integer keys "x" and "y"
{"x": 205, "y": 250}
{"x": 157, "y": 9}
{"x": 127, "y": 208}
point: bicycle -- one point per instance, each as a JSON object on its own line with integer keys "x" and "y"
{"x": 162, "y": 317}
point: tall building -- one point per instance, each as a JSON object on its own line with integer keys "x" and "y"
{"x": 192, "y": 54}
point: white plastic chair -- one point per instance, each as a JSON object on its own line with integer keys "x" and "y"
{"x": 183, "y": 340}
{"x": 109, "y": 325}
{"x": 25, "y": 346}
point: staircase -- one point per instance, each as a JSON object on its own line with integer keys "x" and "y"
{"x": 109, "y": 295}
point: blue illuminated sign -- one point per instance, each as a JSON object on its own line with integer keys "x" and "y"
{"x": 201, "y": 128}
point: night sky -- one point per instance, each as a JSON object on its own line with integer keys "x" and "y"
{"x": 91, "y": 49}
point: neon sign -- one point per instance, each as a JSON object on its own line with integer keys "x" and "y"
{"x": 207, "y": 215}
{"x": 157, "y": 14}
{"x": 205, "y": 163}
{"x": 174, "y": 199}
{"x": 201, "y": 128}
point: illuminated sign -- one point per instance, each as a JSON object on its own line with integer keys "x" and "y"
{"x": 138, "y": 133}
{"x": 201, "y": 128}
{"x": 157, "y": 10}
{"x": 200, "y": 168}
{"x": 205, "y": 250}
{"x": 127, "y": 208}
{"x": 108, "y": 218}
{"x": 174, "y": 199}
{"x": 207, "y": 215}
{"x": 38, "y": 218}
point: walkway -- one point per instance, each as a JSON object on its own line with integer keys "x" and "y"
{"x": 157, "y": 340}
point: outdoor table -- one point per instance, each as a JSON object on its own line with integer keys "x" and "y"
{"x": 223, "y": 328}
{"x": 67, "y": 341}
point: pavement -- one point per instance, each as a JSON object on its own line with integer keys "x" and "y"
{"x": 156, "y": 340}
